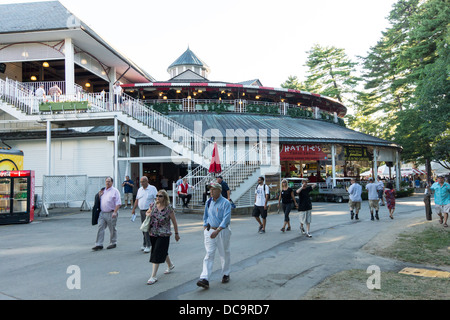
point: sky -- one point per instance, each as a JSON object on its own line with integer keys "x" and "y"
{"x": 240, "y": 40}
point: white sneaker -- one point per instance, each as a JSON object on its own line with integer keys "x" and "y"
{"x": 125, "y": 207}
{"x": 309, "y": 235}
{"x": 142, "y": 248}
{"x": 146, "y": 250}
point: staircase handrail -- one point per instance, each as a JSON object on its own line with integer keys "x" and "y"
{"x": 168, "y": 127}
{"x": 244, "y": 167}
{"x": 243, "y": 163}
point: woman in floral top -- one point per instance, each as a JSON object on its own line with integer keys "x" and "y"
{"x": 390, "y": 199}
{"x": 161, "y": 214}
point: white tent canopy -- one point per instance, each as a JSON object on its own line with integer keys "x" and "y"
{"x": 383, "y": 171}
{"x": 436, "y": 168}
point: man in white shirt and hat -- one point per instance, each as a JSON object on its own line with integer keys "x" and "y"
{"x": 146, "y": 195}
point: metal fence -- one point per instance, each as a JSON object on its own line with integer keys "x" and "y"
{"x": 95, "y": 184}
{"x": 62, "y": 190}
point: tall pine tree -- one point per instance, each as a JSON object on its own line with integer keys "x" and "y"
{"x": 407, "y": 81}
{"x": 331, "y": 73}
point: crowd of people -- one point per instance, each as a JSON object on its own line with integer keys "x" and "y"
{"x": 158, "y": 216}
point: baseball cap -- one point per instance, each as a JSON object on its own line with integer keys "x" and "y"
{"x": 215, "y": 185}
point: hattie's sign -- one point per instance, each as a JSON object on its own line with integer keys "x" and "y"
{"x": 296, "y": 152}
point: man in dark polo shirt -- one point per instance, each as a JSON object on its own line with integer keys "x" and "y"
{"x": 226, "y": 192}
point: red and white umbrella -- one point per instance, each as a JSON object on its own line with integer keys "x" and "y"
{"x": 215, "y": 166}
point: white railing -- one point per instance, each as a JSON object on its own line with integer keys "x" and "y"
{"x": 238, "y": 106}
{"x": 18, "y": 95}
{"x": 238, "y": 172}
{"x": 33, "y": 86}
{"x": 168, "y": 127}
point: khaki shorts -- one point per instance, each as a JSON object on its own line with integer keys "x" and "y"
{"x": 373, "y": 204}
{"x": 305, "y": 217}
{"x": 442, "y": 209}
{"x": 128, "y": 198}
{"x": 354, "y": 205}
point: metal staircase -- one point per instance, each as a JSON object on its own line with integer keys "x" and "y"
{"x": 131, "y": 111}
{"x": 236, "y": 176}
{"x": 19, "y": 101}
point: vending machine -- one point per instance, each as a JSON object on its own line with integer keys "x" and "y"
{"x": 16, "y": 197}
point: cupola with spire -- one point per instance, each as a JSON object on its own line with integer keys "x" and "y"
{"x": 189, "y": 61}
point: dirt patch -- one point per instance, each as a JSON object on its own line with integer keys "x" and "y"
{"x": 351, "y": 285}
{"x": 393, "y": 242}
{"x": 389, "y": 236}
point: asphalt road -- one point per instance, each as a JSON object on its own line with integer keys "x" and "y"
{"x": 51, "y": 258}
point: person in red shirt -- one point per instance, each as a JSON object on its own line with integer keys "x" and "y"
{"x": 183, "y": 193}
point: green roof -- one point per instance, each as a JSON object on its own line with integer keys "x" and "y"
{"x": 188, "y": 58}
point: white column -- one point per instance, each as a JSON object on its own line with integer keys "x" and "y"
{"x": 375, "y": 163}
{"x": 398, "y": 169}
{"x": 116, "y": 152}
{"x": 333, "y": 163}
{"x": 70, "y": 67}
{"x": 112, "y": 77}
{"x": 49, "y": 148}
{"x": 141, "y": 164}
{"x": 141, "y": 169}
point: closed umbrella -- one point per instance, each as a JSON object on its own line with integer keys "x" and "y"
{"x": 215, "y": 166}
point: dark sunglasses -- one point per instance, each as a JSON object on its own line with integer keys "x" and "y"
{"x": 160, "y": 196}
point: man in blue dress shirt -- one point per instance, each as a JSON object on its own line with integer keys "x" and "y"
{"x": 217, "y": 234}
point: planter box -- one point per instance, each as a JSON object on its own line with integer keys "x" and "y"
{"x": 64, "y": 106}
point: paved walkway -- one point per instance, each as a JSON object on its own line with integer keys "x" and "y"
{"x": 34, "y": 258}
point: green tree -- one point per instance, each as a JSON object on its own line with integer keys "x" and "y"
{"x": 331, "y": 73}
{"x": 387, "y": 71}
{"x": 293, "y": 83}
{"x": 430, "y": 54}
{"x": 407, "y": 81}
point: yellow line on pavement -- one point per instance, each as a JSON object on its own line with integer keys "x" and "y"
{"x": 425, "y": 273}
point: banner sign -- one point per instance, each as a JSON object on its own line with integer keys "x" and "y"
{"x": 357, "y": 154}
{"x": 14, "y": 174}
{"x": 296, "y": 152}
